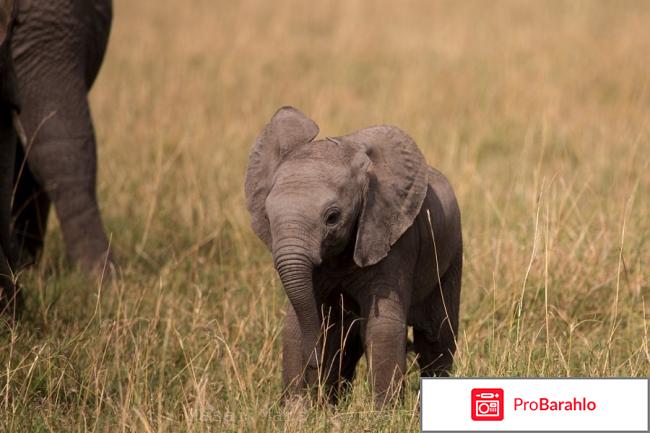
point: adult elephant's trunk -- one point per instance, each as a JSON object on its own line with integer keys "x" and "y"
{"x": 294, "y": 262}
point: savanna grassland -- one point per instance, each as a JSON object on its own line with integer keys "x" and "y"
{"x": 538, "y": 113}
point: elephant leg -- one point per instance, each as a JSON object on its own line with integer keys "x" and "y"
{"x": 435, "y": 356}
{"x": 436, "y": 345}
{"x": 343, "y": 349}
{"x": 63, "y": 160}
{"x": 385, "y": 348}
{"x": 342, "y": 337}
{"x": 30, "y": 211}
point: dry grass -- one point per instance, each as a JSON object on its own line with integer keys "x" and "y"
{"x": 538, "y": 113}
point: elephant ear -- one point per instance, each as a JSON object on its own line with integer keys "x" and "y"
{"x": 397, "y": 186}
{"x": 288, "y": 129}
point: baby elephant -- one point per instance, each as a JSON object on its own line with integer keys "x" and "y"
{"x": 366, "y": 239}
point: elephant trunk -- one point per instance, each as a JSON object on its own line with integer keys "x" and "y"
{"x": 295, "y": 263}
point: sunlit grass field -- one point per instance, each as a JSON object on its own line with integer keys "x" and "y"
{"x": 538, "y": 113}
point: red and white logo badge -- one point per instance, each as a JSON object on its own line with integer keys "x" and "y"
{"x": 487, "y": 404}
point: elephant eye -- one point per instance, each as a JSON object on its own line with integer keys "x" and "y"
{"x": 332, "y": 217}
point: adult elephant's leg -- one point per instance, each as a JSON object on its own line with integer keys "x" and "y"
{"x": 385, "y": 346}
{"x": 30, "y": 211}
{"x": 62, "y": 156}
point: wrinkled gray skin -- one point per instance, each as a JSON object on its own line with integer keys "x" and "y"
{"x": 58, "y": 47}
{"x": 8, "y": 136}
{"x": 347, "y": 221}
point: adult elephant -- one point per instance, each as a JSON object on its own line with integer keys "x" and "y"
{"x": 58, "y": 47}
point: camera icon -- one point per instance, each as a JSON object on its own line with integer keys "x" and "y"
{"x": 487, "y": 404}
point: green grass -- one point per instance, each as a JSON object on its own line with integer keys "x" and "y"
{"x": 537, "y": 113}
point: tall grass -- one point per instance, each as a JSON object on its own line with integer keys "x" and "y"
{"x": 538, "y": 113}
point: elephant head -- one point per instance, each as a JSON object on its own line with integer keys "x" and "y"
{"x": 309, "y": 200}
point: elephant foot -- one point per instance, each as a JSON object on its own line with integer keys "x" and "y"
{"x": 90, "y": 251}
{"x": 103, "y": 268}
